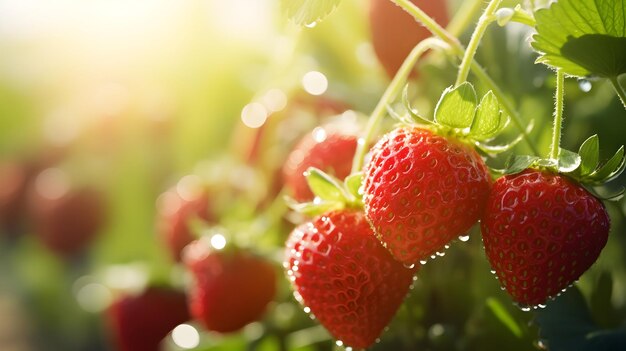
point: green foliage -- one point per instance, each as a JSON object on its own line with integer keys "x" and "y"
{"x": 583, "y": 37}
{"x": 489, "y": 118}
{"x": 308, "y": 12}
{"x": 457, "y": 106}
{"x": 567, "y": 325}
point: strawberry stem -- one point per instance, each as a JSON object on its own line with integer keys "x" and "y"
{"x": 485, "y": 19}
{"x": 394, "y": 88}
{"x": 558, "y": 115}
{"x": 464, "y": 17}
{"x": 458, "y": 50}
{"x": 619, "y": 90}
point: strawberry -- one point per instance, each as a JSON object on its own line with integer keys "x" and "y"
{"x": 395, "y": 32}
{"x": 328, "y": 150}
{"x": 66, "y": 218}
{"x": 345, "y": 277}
{"x": 174, "y": 214}
{"x": 231, "y": 288}
{"x": 541, "y": 232}
{"x": 140, "y": 322}
{"x": 14, "y": 178}
{"x": 422, "y": 190}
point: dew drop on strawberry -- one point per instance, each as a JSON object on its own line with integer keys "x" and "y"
{"x": 541, "y": 232}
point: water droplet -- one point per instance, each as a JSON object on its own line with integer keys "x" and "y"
{"x": 464, "y": 238}
{"x": 584, "y": 85}
{"x": 493, "y": 271}
{"x": 440, "y": 254}
{"x": 307, "y": 310}
{"x": 433, "y": 256}
{"x": 339, "y": 343}
{"x": 423, "y": 262}
{"x": 525, "y": 308}
{"x": 409, "y": 266}
{"x": 541, "y": 306}
{"x": 311, "y": 25}
{"x": 446, "y": 246}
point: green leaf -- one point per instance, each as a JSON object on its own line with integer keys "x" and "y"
{"x": 518, "y": 163}
{"x": 568, "y": 161}
{"x": 308, "y": 12}
{"x": 324, "y": 186}
{"x": 353, "y": 184}
{"x": 583, "y": 37}
{"x": 612, "y": 168}
{"x": 504, "y": 316}
{"x": 457, "y": 106}
{"x": 488, "y": 120}
{"x": 589, "y": 154}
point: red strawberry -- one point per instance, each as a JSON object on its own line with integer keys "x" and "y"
{"x": 67, "y": 219}
{"x": 541, "y": 232}
{"x": 231, "y": 288}
{"x": 13, "y": 184}
{"x": 140, "y": 322}
{"x": 345, "y": 277}
{"x": 328, "y": 150}
{"x": 422, "y": 190}
{"x": 395, "y": 32}
{"x": 174, "y": 214}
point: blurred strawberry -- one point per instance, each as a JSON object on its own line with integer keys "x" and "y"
{"x": 140, "y": 322}
{"x": 13, "y": 183}
{"x": 395, "y": 32}
{"x": 175, "y": 211}
{"x": 66, "y": 218}
{"x": 231, "y": 288}
{"x": 326, "y": 149}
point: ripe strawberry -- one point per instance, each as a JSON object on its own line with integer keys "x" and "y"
{"x": 395, "y": 32}
{"x": 174, "y": 214}
{"x": 422, "y": 190}
{"x": 330, "y": 151}
{"x": 139, "y": 323}
{"x": 66, "y": 219}
{"x": 231, "y": 288}
{"x": 347, "y": 279}
{"x": 541, "y": 232}
{"x": 14, "y": 179}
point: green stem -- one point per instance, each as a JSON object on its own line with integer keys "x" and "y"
{"x": 485, "y": 19}
{"x": 458, "y": 50}
{"x": 429, "y": 23}
{"x": 464, "y": 16}
{"x": 394, "y": 88}
{"x": 507, "y": 105}
{"x": 558, "y": 115}
{"x": 619, "y": 90}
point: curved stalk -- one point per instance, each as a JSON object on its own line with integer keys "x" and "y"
{"x": 485, "y": 19}
{"x": 466, "y": 13}
{"x": 394, "y": 88}
{"x": 619, "y": 90}
{"x": 459, "y": 51}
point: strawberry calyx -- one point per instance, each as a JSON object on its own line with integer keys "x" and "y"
{"x": 330, "y": 193}
{"x": 583, "y": 166}
{"x": 459, "y": 114}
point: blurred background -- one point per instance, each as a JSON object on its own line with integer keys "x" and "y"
{"x": 107, "y": 104}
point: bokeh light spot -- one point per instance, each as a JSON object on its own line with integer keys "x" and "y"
{"x": 254, "y": 115}
{"x": 315, "y": 83}
{"x": 185, "y": 336}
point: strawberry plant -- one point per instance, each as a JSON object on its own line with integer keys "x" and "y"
{"x": 380, "y": 175}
